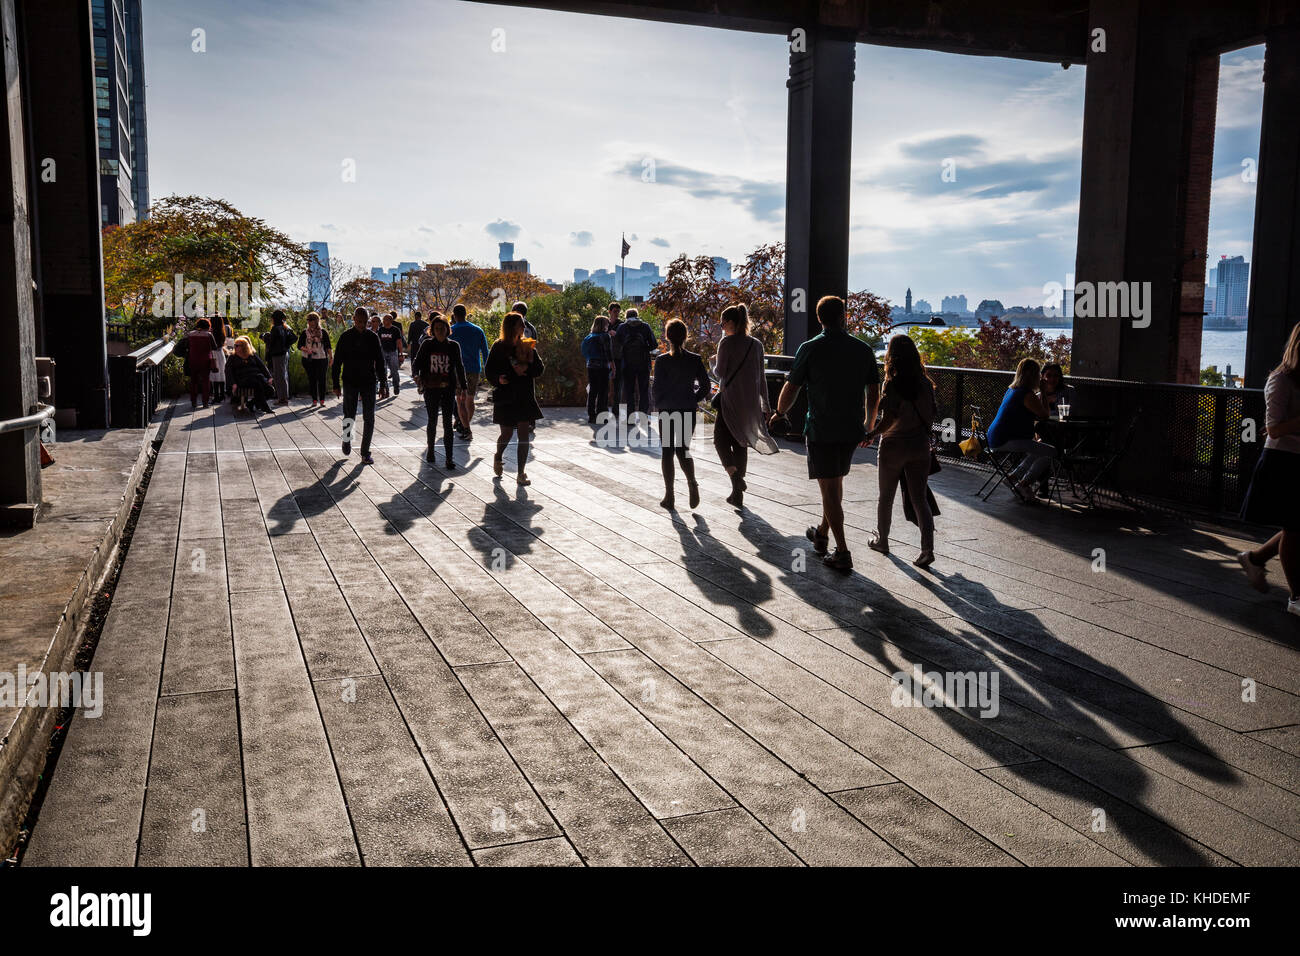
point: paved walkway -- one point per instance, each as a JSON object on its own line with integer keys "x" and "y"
{"x": 312, "y": 662}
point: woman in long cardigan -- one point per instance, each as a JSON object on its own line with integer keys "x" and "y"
{"x": 742, "y": 421}
{"x": 512, "y": 365}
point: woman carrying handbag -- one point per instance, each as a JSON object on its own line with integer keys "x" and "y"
{"x": 741, "y": 401}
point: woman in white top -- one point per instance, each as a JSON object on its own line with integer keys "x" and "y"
{"x": 1274, "y": 495}
{"x": 741, "y": 422}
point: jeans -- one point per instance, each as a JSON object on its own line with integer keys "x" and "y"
{"x": 316, "y": 369}
{"x": 733, "y": 453}
{"x": 905, "y": 459}
{"x": 636, "y": 387}
{"x": 391, "y": 360}
{"x": 597, "y": 390}
{"x": 1038, "y": 458}
{"x": 280, "y": 376}
{"x": 367, "y": 395}
{"x": 444, "y": 400}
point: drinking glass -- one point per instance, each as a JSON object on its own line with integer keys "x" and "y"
{"x": 1063, "y": 411}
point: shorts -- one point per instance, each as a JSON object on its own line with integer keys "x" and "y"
{"x": 471, "y": 381}
{"x": 830, "y": 459}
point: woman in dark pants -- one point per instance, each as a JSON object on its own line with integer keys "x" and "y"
{"x": 511, "y": 367}
{"x": 1274, "y": 495}
{"x": 598, "y": 350}
{"x": 438, "y": 368}
{"x": 314, "y": 347}
{"x": 681, "y": 382}
{"x": 199, "y": 362}
{"x": 742, "y": 420}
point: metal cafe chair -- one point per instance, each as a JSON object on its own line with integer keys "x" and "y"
{"x": 1003, "y": 462}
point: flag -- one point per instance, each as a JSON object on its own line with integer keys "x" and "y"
{"x": 626, "y": 249}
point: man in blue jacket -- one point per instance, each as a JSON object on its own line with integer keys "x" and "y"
{"x": 473, "y": 352}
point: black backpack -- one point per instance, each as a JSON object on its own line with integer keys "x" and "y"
{"x": 636, "y": 345}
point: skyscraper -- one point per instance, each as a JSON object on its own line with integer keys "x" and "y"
{"x": 1232, "y": 283}
{"x": 318, "y": 277}
{"x": 908, "y": 307}
{"x": 506, "y": 252}
{"x": 954, "y": 303}
{"x": 721, "y": 269}
{"x": 120, "y": 111}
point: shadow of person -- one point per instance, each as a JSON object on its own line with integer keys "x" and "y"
{"x": 752, "y": 586}
{"x": 313, "y": 500}
{"x": 1057, "y": 681}
{"x": 506, "y": 528}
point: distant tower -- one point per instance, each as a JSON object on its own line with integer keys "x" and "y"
{"x": 507, "y": 252}
{"x": 908, "y": 309}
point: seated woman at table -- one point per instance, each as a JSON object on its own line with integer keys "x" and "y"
{"x": 1013, "y": 429}
{"x": 1053, "y": 390}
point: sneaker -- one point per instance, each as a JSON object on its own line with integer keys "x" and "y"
{"x": 522, "y": 479}
{"x": 839, "y": 561}
{"x": 367, "y": 460}
{"x": 1255, "y": 573}
{"x": 347, "y": 448}
{"x": 1293, "y": 606}
{"x": 821, "y": 542}
{"x": 924, "y": 559}
{"x": 878, "y": 544}
{"x": 449, "y": 465}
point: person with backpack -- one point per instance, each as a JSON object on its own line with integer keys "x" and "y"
{"x": 438, "y": 368}
{"x": 598, "y": 352}
{"x": 278, "y": 341}
{"x": 634, "y": 344}
{"x": 681, "y": 383}
{"x": 741, "y": 402}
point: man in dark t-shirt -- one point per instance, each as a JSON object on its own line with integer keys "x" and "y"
{"x": 394, "y": 345}
{"x": 359, "y": 366}
{"x": 843, "y": 383}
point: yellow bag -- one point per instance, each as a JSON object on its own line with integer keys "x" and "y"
{"x": 971, "y": 446}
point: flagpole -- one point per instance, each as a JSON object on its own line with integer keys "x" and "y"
{"x": 622, "y": 248}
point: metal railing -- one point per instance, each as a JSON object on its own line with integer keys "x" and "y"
{"x": 34, "y": 420}
{"x": 135, "y": 384}
{"x": 1193, "y": 447}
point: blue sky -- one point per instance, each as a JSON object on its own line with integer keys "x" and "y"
{"x": 457, "y": 144}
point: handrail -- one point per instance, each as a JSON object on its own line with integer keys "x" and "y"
{"x": 145, "y": 355}
{"x": 33, "y": 420}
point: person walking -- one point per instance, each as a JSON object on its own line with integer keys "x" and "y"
{"x": 314, "y": 348}
{"x": 1013, "y": 430}
{"x": 681, "y": 383}
{"x": 359, "y": 363}
{"x": 437, "y": 366}
{"x": 278, "y": 342}
{"x": 394, "y": 345}
{"x": 200, "y": 362}
{"x": 473, "y": 352}
{"x": 616, "y": 367}
{"x": 217, "y": 326}
{"x": 598, "y": 352}
{"x": 1273, "y": 498}
{"x": 417, "y": 330}
{"x": 634, "y": 344}
{"x": 511, "y": 367}
{"x": 843, "y": 383}
{"x": 742, "y": 404}
{"x": 530, "y": 330}
{"x": 907, "y": 410}
{"x": 249, "y": 376}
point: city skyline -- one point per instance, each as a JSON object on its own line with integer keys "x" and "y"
{"x": 698, "y": 168}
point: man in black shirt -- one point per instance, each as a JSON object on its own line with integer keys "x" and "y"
{"x": 359, "y": 361}
{"x": 394, "y": 344}
{"x": 416, "y": 331}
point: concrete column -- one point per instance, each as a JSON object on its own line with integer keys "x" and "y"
{"x": 61, "y": 77}
{"x": 20, "y": 465}
{"x": 1148, "y": 139}
{"x": 820, "y": 136}
{"x": 1275, "y": 266}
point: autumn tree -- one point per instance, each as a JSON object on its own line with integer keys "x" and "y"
{"x": 202, "y": 239}
{"x": 439, "y": 286}
{"x": 691, "y": 292}
{"x": 493, "y": 288}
